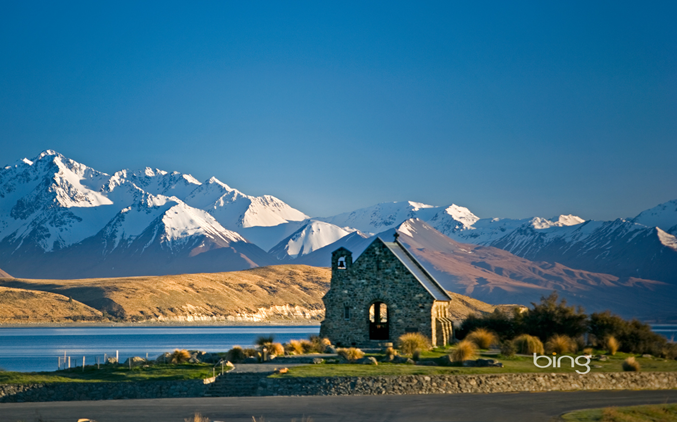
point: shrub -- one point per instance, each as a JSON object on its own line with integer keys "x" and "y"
{"x": 504, "y": 325}
{"x": 351, "y": 354}
{"x": 179, "y": 356}
{"x": 612, "y": 345}
{"x": 197, "y": 418}
{"x": 307, "y": 346}
{"x": 527, "y": 345}
{"x": 262, "y": 340}
{"x": 549, "y": 317}
{"x": 508, "y": 348}
{"x": 236, "y": 354}
{"x": 411, "y": 342}
{"x": 319, "y": 344}
{"x": 464, "y": 350}
{"x": 631, "y": 365}
{"x": 587, "y": 351}
{"x": 294, "y": 346}
{"x": 560, "y": 344}
{"x": 483, "y": 338}
{"x": 669, "y": 352}
{"x": 251, "y": 353}
{"x": 633, "y": 336}
{"x": 390, "y": 352}
{"x": 416, "y": 356}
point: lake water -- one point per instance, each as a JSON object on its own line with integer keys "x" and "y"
{"x": 37, "y": 349}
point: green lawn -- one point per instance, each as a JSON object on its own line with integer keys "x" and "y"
{"x": 648, "y": 413}
{"x": 110, "y": 373}
{"x": 517, "y": 364}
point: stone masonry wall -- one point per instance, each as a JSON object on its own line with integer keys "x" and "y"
{"x": 457, "y": 384}
{"x": 377, "y": 275}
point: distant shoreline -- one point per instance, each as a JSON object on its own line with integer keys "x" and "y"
{"x": 160, "y": 324}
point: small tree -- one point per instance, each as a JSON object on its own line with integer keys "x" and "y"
{"x": 549, "y": 317}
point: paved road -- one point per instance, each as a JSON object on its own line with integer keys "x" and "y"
{"x": 526, "y": 407}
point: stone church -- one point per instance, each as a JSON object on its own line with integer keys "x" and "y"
{"x": 385, "y": 293}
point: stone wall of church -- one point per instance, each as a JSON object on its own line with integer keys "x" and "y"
{"x": 377, "y": 276}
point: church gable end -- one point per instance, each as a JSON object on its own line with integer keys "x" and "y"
{"x": 383, "y": 294}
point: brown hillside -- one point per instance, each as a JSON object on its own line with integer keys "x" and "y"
{"x": 3, "y": 274}
{"x": 282, "y": 293}
{"x": 27, "y": 306}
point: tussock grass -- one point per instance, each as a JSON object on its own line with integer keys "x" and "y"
{"x": 588, "y": 351}
{"x": 390, "y": 352}
{"x": 560, "y": 344}
{"x": 612, "y": 345}
{"x": 527, "y": 345}
{"x": 411, "y": 342}
{"x": 464, "y": 350}
{"x": 179, "y": 356}
{"x": 276, "y": 349}
{"x": 508, "y": 348}
{"x": 197, "y": 418}
{"x": 294, "y": 347}
{"x": 482, "y": 338}
{"x": 351, "y": 354}
{"x": 263, "y": 340}
{"x": 631, "y": 365}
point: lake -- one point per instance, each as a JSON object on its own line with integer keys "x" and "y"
{"x": 37, "y": 348}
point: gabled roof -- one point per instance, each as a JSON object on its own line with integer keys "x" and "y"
{"x": 417, "y": 270}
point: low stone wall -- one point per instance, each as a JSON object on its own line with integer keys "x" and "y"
{"x": 101, "y": 391}
{"x": 456, "y": 384}
{"x": 335, "y": 386}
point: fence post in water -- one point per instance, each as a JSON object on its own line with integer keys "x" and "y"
{"x": 117, "y": 356}
{"x": 98, "y": 366}
{"x": 83, "y": 364}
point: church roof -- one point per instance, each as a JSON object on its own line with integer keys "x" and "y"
{"x": 417, "y": 270}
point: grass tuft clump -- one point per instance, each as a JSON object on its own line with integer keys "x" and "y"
{"x": 560, "y": 344}
{"x": 351, "y": 354}
{"x": 179, "y": 356}
{"x": 411, "y": 342}
{"x": 631, "y": 365}
{"x": 236, "y": 354}
{"x": 465, "y": 350}
{"x": 263, "y": 340}
{"x": 528, "y": 345}
{"x": 508, "y": 349}
{"x": 482, "y": 338}
{"x": 612, "y": 345}
{"x": 276, "y": 349}
{"x": 197, "y": 418}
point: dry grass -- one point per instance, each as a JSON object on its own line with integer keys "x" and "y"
{"x": 276, "y": 349}
{"x": 263, "y": 340}
{"x": 251, "y": 352}
{"x": 351, "y": 354}
{"x": 179, "y": 356}
{"x": 294, "y": 347}
{"x": 612, "y": 345}
{"x": 482, "y": 338}
{"x": 464, "y": 350}
{"x": 560, "y": 344}
{"x": 390, "y": 352}
{"x": 197, "y": 418}
{"x": 631, "y": 365}
{"x": 307, "y": 346}
{"x": 411, "y": 342}
{"x": 527, "y": 345}
{"x": 587, "y": 351}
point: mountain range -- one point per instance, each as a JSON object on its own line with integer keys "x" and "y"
{"x": 62, "y": 219}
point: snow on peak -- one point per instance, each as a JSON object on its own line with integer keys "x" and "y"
{"x": 182, "y": 221}
{"x": 663, "y": 216}
{"x": 309, "y": 238}
{"x": 540, "y": 223}
{"x": 667, "y": 239}
{"x": 383, "y": 216}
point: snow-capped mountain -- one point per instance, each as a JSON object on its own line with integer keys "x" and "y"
{"x": 384, "y": 216}
{"x": 663, "y": 216}
{"x": 309, "y": 238}
{"x": 51, "y": 205}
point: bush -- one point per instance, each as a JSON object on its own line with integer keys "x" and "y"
{"x": 508, "y": 348}
{"x": 179, "y": 356}
{"x": 251, "y": 353}
{"x": 464, "y": 350}
{"x": 262, "y": 340}
{"x": 307, "y": 346}
{"x": 390, "y": 352}
{"x": 483, "y": 338}
{"x": 612, "y": 345}
{"x": 560, "y": 345}
{"x": 236, "y": 354}
{"x": 295, "y": 347}
{"x": 527, "y": 345}
{"x": 504, "y": 325}
{"x": 549, "y": 317}
{"x": 319, "y": 344}
{"x": 587, "y": 351}
{"x": 411, "y": 342}
{"x": 633, "y": 336}
{"x": 351, "y": 354}
{"x": 631, "y": 365}
{"x": 668, "y": 352}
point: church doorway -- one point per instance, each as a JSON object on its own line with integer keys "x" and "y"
{"x": 378, "y": 321}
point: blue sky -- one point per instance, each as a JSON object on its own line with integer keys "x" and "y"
{"x": 512, "y": 110}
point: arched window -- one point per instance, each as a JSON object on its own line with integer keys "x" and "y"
{"x": 341, "y": 265}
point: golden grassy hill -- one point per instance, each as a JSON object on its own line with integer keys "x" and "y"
{"x": 280, "y": 294}
{"x": 28, "y": 306}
